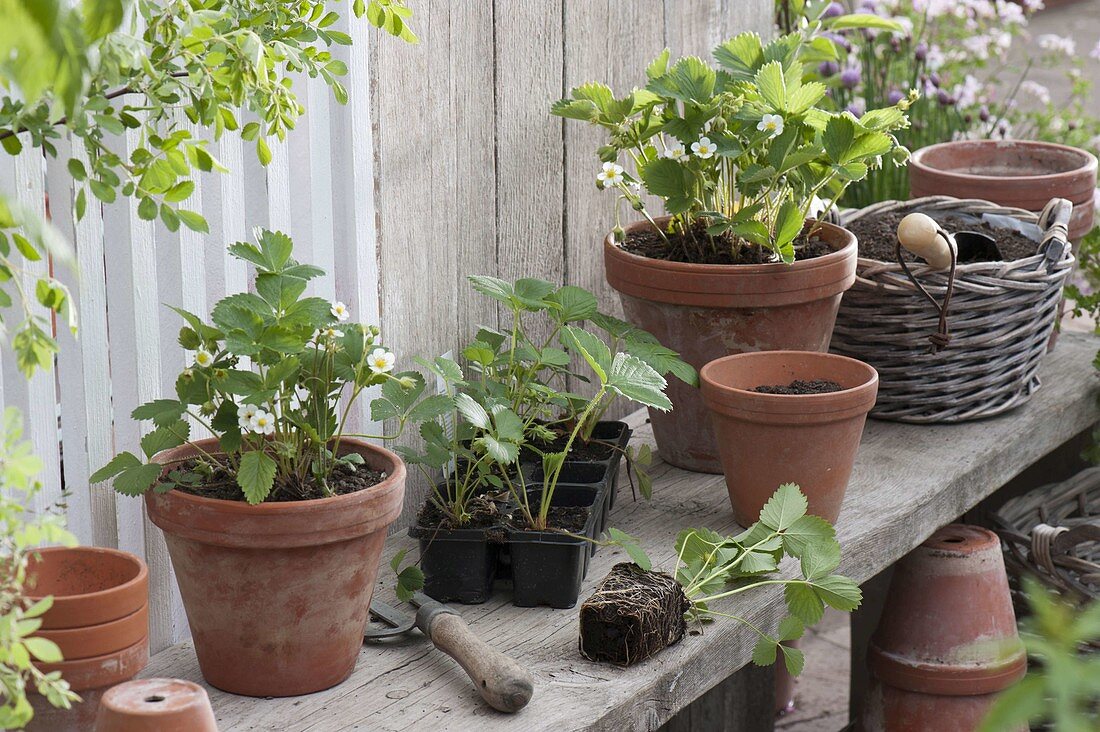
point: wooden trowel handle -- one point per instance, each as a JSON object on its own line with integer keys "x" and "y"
{"x": 502, "y": 683}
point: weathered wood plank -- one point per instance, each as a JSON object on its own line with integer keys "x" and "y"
{"x": 908, "y": 481}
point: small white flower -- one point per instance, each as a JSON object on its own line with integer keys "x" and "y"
{"x": 203, "y": 358}
{"x": 772, "y": 123}
{"x": 1036, "y": 90}
{"x": 704, "y": 148}
{"x": 340, "y": 311}
{"x": 1057, "y": 44}
{"x": 328, "y": 333}
{"x": 262, "y": 423}
{"x": 381, "y": 361}
{"x": 245, "y": 412}
{"x": 1095, "y": 52}
{"x": 677, "y": 152}
{"x": 611, "y": 175}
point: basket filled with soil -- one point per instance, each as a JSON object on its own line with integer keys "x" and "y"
{"x": 961, "y": 339}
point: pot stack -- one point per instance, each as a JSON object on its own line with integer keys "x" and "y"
{"x": 947, "y": 642}
{"x": 99, "y": 620}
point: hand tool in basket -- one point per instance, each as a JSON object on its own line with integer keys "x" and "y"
{"x": 502, "y": 683}
{"x": 922, "y": 236}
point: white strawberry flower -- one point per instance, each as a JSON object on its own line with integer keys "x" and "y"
{"x": 262, "y": 423}
{"x": 329, "y": 333}
{"x": 340, "y": 311}
{"x": 381, "y": 361}
{"x": 772, "y": 123}
{"x": 203, "y": 358}
{"x": 677, "y": 152}
{"x": 611, "y": 175}
{"x": 704, "y": 148}
{"x": 245, "y": 412}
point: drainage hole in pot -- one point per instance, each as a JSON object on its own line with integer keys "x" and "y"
{"x": 954, "y": 540}
{"x": 154, "y": 699}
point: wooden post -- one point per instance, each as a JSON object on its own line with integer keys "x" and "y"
{"x": 744, "y": 702}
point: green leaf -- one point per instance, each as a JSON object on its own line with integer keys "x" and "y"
{"x": 838, "y": 592}
{"x": 634, "y": 379}
{"x": 591, "y": 349}
{"x": 193, "y": 221}
{"x": 501, "y": 451}
{"x": 822, "y": 559}
{"x": 12, "y": 145}
{"x": 663, "y": 360}
{"x": 473, "y": 412}
{"x": 658, "y": 66}
{"x": 790, "y": 628}
{"x": 256, "y": 475}
{"x": 786, "y": 506}
{"x": 773, "y": 88}
{"x": 793, "y": 659}
{"x": 788, "y": 224}
{"x": 689, "y": 80}
{"x": 161, "y": 411}
{"x": 117, "y": 464}
{"x": 493, "y": 287}
{"x": 573, "y": 303}
{"x": 135, "y": 481}
{"x": 804, "y": 603}
{"x": 863, "y": 21}
{"x": 807, "y": 534}
{"x": 409, "y": 580}
{"x": 166, "y": 437}
{"x": 631, "y": 546}
{"x": 666, "y": 178}
{"x": 839, "y": 133}
{"x": 430, "y": 408}
{"x": 101, "y": 17}
{"x": 263, "y": 152}
{"x": 764, "y": 652}
{"x": 44, "y": 650}
{"x": 742, "y": 55}
{"x": 531, "y": 293}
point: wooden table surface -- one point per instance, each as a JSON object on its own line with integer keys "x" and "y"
{"x": 908, "y": 481}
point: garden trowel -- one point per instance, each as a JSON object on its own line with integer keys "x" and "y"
{"x": 502, "y": 683}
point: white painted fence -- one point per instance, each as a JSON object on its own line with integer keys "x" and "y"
{"x": 444, "y": 163}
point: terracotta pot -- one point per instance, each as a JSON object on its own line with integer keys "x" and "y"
{"x": 948, "y": 627}
{"x": 277, "y": 595}
{"x": 156, "y": 705}
{"x": 90, "y": 678}
{"x": 784, "y": 685}
{"x": 766, "y": 440}
{"x": 1020, "y": 173}
{"x": 708, "y": 311}
{"x": 889, "y": 709}
{"x": 100, "y": 620}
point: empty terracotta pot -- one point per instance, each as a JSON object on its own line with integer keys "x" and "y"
{"x": 705, "y": 311}
{"x": 156, "y": 705}
{"x": 766, "y": 440}
{"x": 889, "y": 709}
{"x": 1021, "y": 173}
{"x": 99, "y": 619}
{"x": 948, "y": 627}
{"x": 277, "y": 595}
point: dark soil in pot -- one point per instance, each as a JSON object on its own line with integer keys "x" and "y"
{"x": 606, "y": 437}
{"x": 632, "y": 615}
{"x": 878, "y": 236}
{"x": 460, "y": 562}
{"x": 696, "y": 247}
{"x": 799, "y": 386}
{"x": 222, "y": 484}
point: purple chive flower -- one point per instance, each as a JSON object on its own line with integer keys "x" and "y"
{"x": 921, "y": 51}
{"x": 935, "y": 79}
{"x": 945, "y": 99}
{"x": 834, "y": 10}
{"x": 983, "y": 114}
{"x": 894, "y": 97}
{"x": 839, "y": 40}
{"x": 828, "y": 68}
{"x": 855, "y": 109}
{"x": 849, "y": 78}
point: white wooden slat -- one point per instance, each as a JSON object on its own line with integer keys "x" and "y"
{"x": 278, "y": 186}
{"x": 37, "y": 397}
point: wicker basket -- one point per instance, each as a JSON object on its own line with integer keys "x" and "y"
{"x": 982, "y": 356}
{"x": 1053, "y": 533}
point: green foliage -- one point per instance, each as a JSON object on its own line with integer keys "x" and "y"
{"x": 410, "y": 579}
{"x": 95, "y": 70}
{"x": 514, "y": 395}
{"x": 1062, "y": 687}
{"x": 746, "y": 150}
{"x": 274, "y": 376}
{"x": 1084, "y": 292}
{"x": 23, "y": 531}
{"x": 712, "y": 567}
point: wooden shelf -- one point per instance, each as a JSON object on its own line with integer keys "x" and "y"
{"x": 908, "y": 481}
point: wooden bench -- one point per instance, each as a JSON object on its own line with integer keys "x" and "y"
{"x": 908, "y": 481}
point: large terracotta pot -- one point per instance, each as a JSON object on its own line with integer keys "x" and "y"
{"x": 1020, "y": 173}
{"x": 156, "y": 705}
{"x": 705, "y": 311}
{"x": 100, "y": 621}
{"x": 948, "y": 626}
{"x": 277, "y": 595}
{"x": 766, "y": 440}
{"x": 890, "y": 709}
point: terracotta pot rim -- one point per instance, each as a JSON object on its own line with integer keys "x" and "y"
{"x": 717, "y": 393}
{"x": 949, "y": 680}
{"x": 397, "y": 472}
{"x": 95, "y": 597}
{"x": 124, "y": 627}
{"x": 1088, "y": 160}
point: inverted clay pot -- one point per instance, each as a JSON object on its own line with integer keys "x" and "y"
{"x": 156, "y": 705}
{"x": 99, "y": 619}
{"x": 948, "y": 627}
{"x": 706, "y": 311}
{"x": 765, "y": 440}
{"x": 1020, "y": 173}
{"x": 277, "y": 595}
